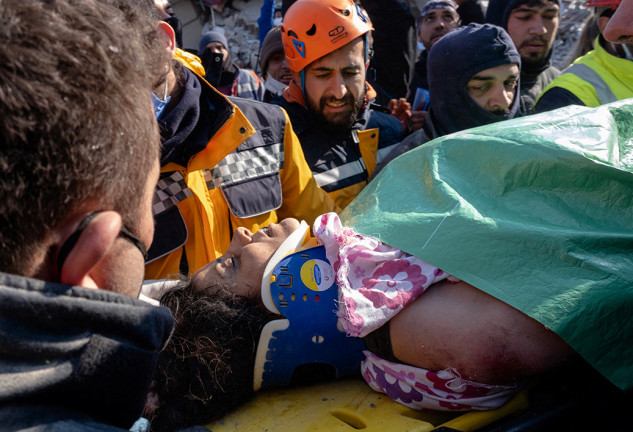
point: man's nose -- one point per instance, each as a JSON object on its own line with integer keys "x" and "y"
{"x": 338, "y": 89}
{"x": 619, "y": 29}
{"x": 537, "y": 26}
{"x": 501, "y": 99}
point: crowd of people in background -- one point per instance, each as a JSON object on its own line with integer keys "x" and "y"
{"x": 128, "y": 160}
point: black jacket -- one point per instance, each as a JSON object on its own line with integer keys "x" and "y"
{"x": 394, "y": 35}
{"x": 75, "y": 359}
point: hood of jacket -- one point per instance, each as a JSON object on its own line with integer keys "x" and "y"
{"x": 453, "y": 60}
{"x": 498, "y": 13}
{"x": 84, "y": 351}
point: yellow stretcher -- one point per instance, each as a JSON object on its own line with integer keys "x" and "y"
{"x": 349, "y": 405}
{"x": 575, "y": 399}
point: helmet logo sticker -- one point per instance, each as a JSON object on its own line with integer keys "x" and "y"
{"x": 300, "y": 47}
{"x": 336, "y": 31}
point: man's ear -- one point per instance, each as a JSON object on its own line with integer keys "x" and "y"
{"x": 602, "y": 23}
{"x": 93, "y": 245}
{"x": 169, "y": 37}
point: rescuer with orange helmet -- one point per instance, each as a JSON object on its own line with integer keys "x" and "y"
{"x": 342, "y": 134}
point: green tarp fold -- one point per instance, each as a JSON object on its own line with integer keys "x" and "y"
{"x": 536, "y": 211}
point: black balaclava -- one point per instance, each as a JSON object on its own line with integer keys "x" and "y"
{"x": 453, "y": 61}
{"x": 217, "y": 72}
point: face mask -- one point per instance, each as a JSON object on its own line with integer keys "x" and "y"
{"x": 160, "y": 104}
{"x": 212, "y": 63}
{"x": 174, "y": 23}
{"x": 274, "y": 86}
{"x": 421, "y": 46}
{"x": 277, "y": 21}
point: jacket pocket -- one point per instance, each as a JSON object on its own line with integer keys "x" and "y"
{"x": 249, "y": 178}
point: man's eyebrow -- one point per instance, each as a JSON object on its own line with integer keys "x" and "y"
{"x": 534, "y": 9}
{"x": 327, "y": 69}
{"x": 321, "y": 69}
{"x": 491, "y": 77}
{"x": 524, "y": 9}
{"x": 482, "y": 78}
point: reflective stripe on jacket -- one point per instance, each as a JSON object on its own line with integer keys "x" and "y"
{"x": 342, "y": 162}
{"x": 247, "y": 85}
{"x": 597, "y": 78}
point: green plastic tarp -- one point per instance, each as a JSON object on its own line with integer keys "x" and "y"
{"x": 535, "y": 211}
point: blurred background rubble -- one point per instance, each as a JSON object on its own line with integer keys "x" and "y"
{"x": 237, "y": 19}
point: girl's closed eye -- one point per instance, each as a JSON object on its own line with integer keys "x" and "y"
{"x": 234, "y": 263}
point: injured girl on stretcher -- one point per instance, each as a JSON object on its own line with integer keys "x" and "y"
{"x": 430, "y": 340}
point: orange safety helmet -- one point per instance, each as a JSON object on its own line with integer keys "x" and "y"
{"x": 312, "y": 29}
{"x": 601, "y": 3}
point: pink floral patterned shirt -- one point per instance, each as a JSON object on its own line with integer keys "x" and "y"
{"x": 375, "y": 280}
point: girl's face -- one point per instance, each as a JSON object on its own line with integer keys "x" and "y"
{"x": 241, "y": 268}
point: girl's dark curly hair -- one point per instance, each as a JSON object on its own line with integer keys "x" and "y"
{"x": 206, "y": 370}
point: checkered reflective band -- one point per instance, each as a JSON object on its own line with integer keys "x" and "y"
{"x": 244, "y": 165}
{"x": 170, "y": 190}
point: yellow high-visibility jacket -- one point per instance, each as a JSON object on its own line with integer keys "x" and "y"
{"x": 597, "y": 78}
{"x": 251, "y": 173}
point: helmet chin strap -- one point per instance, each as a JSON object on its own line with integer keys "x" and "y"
{"x": 366, "y": 38}
{"x": 303, "y": 86}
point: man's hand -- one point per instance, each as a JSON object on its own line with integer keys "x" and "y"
{"x": 417, "y": 120}
{"x": 401, "y": 109}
